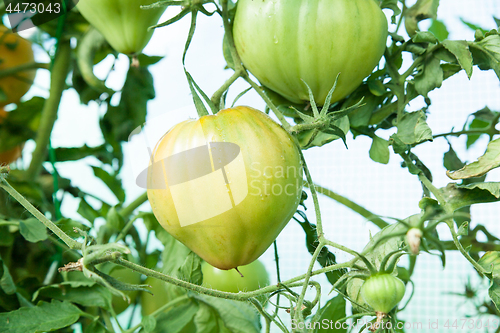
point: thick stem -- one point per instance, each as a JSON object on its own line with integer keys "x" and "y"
{"x": 49, "y": 111}
{"x": 126, "y": 211}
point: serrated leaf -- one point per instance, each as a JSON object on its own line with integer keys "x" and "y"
{"x": 191, "y": 269}
{"x": 473, "y": 26}
{"x": 460, "y": 50}
{"x": 379, "y": 150}
{"x": 41, "y": 318}
{"x": 463, "y": 230}
{"x": 413, "y": 128}
{"x": 486, "y": 53}
{"x": 458, "y": 196}
{"x": 393, "y": 5}
{"x": 489, "y": 161}
{"x": 430, "y": 76}
{"x": 33, "y": 230}
{"x": 333, "y": 310}
{"x": 421, "y": 10}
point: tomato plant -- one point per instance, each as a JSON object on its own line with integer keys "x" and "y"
{"x": 223, "y": 182}
{"x": 123, "y": 24}
{"x": 14, "y": 51}
{"x": 254, "y": 185}
{"x": 255, "y": 276}
{"x": 286, "y": 43}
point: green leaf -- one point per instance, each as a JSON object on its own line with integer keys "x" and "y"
{"x": 494, "y": 293}
{"x": 486, "y": 53}
{"x": 226, "y": 51}
{"x": 393, "y": 5}
{"x": 177, "y": 318}
{"x": 473, "y": 26}
{"x": 114, "y": 220}
{"x": 68, "y": 225}
{"x": 413, "y": 128}
{"x": 460, "y": 50}
{"x": 451, "y": 160}
{"x": 379, "y": 150}
{"x": 191, "y": 269}
{"x": 146, "y": 60}
{"x": 429, "y": 76}
{"x": 87, "y": 211}
{"x": 238, "y": 317}
{"x": 489, "y": 161}
{"x": 44, "y": 317}
{"x": 333, "y": 310}
{"x": 119, "y": 122}
{"x": 112, "y": 181}
{"x": 424, "y": 37}
{"x": 83, "y": 293}
{"x": 438, "y": 28}
{"x": 490, "y": 261}
{"x": 421, "y": 10}
{"x": 458, "y": 196}
{"x": 33, "y": 230}
{"x": 463, "y": 230}
{"x": 78, "y": 153}
{"x": 6, "y": 282}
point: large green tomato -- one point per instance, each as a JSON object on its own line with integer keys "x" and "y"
{"x": 284, "y": 41}
{"x": 122, "y": 22}
{"x": 254, "y": 277}
{"x": 225, "y": 185}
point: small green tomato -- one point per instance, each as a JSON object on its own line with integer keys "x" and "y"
{"x": 383, "y": 292}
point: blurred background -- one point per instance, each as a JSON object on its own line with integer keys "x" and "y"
{"x": 386, "y": 190}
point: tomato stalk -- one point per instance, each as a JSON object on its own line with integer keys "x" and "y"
{"x": 22, "y": 68}
{"x": 70, "y": 242}
{"x": 50, "y": 108}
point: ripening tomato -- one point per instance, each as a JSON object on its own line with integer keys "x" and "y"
{"x": 254, "y": 277}
{"x": 11, "y": 155}
{"x": 226, "y": 185}
{"x": 282, "y": 42}
{"x": 122, "y": 22}
{"x": 383, "y": 292}
{"x": 14, "y": 51}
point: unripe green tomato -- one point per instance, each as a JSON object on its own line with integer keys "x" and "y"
{"x": 283, "y": 42}
{"x": 254, "y": 277}
{"x": 122, "y": 22}
{"x": 383, "y": 292}
{"x": 128, "y": 276}
{"x": 225, "y": 185}
{"x": 151, "y": 303}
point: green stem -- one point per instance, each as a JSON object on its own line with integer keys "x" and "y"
{"x": 217, "y": 95}
{"x": 268, "y": 101}
{"x": 488, "y": 130}
{"x": 107, "y": 320}
{"x": 127, "y": 211}
{"x": 70, "y": 242}
{"x": 350, "y": 204}
{"x": 49, "y": 111}
{"x": 460, "y": 248}
{"x": 22, "y": 68}
{"x": 125, "y": 229}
